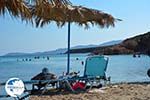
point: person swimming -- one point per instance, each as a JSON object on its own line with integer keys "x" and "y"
{"x": 148, "y": 72}
{"x": 82, "y": 62}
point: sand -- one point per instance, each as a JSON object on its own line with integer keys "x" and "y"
{"x": 112, "y": 92}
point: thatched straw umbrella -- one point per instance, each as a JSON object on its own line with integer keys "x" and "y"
{"x": 21, "y": 8}
{"x": 45, "y": 12}
{"x": 16, "y": 8}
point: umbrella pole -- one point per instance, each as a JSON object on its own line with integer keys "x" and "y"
{"x": 68, "y": 53}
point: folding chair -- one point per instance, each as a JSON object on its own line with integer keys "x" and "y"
{"x": 95, "y": 69}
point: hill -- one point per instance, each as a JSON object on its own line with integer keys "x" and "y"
{"x": 140, "y": 43}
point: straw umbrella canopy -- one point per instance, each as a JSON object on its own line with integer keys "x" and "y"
{"x": 16, "y": 8}
{"x": 21, "y": 8}
{"x": 45, "y": 12}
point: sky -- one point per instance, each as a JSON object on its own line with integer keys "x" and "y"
{"x": 17, "y": 36}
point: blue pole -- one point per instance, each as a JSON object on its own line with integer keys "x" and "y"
{"x": 68, "y": 52}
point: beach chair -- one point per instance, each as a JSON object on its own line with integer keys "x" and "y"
{"x": 95, "y": 69}
{"x": 94, "y": 73}
{"x": 67, "y": 81}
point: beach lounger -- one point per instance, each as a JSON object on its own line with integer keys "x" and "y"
{"x": 94, "y": 73}
{"x": 95, "y": 68}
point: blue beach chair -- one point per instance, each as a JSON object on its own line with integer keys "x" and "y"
{"x": 95, "y": 69}
{"x": 94, "y": 73}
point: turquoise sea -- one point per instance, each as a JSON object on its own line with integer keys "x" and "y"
{"x": 121, "y": 68}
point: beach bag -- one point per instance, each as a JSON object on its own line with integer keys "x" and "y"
{"x": 78, "y": 86}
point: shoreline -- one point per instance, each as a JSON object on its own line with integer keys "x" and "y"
{"x": 117, "y": 91}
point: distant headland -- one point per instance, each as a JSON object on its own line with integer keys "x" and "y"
{"x": 138, "y": 44}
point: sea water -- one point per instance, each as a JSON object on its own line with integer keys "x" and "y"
{"x": 121, "y": 68}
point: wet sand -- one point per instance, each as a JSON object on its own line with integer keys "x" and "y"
{"x": 112, "y": 92}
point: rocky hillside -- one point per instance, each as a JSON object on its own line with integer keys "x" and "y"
{"x": 140, "y": 44}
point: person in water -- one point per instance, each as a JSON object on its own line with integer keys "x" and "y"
{"x": 148, "y": 72}
{"x": 82, "y": 62}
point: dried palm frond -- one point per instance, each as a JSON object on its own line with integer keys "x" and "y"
{"x": 53, "y": 2}
{"x": 45, "y": 12}
{"x": 85, "y": 15}
{"x": 16, "y": 8}
{"x": 21, "y": 8}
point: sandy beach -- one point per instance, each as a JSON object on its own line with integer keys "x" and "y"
{"x": 113, "y": 92}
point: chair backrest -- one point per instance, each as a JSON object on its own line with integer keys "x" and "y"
{"x": 96, "y": 66}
